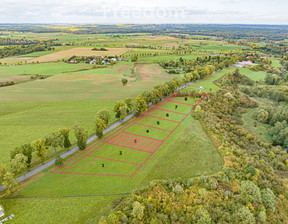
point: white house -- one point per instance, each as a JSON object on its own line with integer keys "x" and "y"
{"x": 243, "y": 63}
{"x": 1, "y": 211}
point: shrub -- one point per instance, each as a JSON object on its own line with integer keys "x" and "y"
{"x": 269, "y": 199}
{"x": 178, "y": 189}
{"x": 245, "y": 216}
{"x": 205, "y": 217}
{"x": 251, "y": 169}
{"x": 203, "y": 192}
{"x": 262, "y": 216}
{"x": 249, "y": 192}
{"x": 138, "y": 210}
{"x": 59, "y": 161}
{"x": 190, "y": 182}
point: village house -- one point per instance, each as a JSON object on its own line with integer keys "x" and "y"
{"x": 244, "y": 63}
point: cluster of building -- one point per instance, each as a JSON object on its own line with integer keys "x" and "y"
{"x": 244, "y": 63}
{"x": 93, "y": 60}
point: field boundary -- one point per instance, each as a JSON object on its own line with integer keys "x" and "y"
{"x": 122, "y": 132}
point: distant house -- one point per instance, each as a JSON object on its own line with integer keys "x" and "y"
{"x": 92, "y": 62}
{"x": 1, "y": 212}
{"x": 73, "y": 61}
{"x": 244, "y": 63}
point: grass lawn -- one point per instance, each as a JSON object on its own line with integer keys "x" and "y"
{"x": 275, "y": 62}
{"x": 147, "y": 132}
{"x": 256, "y": 76}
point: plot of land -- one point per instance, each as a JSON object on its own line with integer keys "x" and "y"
{"x": 79, "y": 51}
{"x": 135, "y": 142}
{"x": 134, "y": 136}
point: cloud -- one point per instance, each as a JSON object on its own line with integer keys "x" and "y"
{"x": 148, "y": 11}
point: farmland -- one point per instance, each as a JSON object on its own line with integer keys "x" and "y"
{"x": 183, "y": 148}
{"x": 63, "y": 99}
{"x": 83, "y": 51}
{"x": 163, "y": 168}
{"x": 74, "y": 93}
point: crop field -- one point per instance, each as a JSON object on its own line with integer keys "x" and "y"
{"x": 14, "y": 60}
{"x": 78, "y": 51}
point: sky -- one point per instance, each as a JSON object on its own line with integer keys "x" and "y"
{"x": 145, "y": 11}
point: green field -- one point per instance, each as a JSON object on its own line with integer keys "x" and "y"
{"x": 75, "y": 93}
{"x": 208, "y": 82}
{"x": 255, "y": 76}
{"x": 261, "y": 130}
{"x": 275, "y": 62}
{"x": 23, "y": 72}
{"x": 34, "y": 109}
{"x": 180, "y": 156}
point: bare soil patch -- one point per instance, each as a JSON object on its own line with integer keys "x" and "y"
{"x": 127, "y": 140}
{"x": 147, "y": 72}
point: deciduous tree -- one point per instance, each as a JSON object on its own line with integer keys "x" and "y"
{"x": 40, "y": 148}
{"x": 81, "y": 135}
{"x": 100, "y": 126}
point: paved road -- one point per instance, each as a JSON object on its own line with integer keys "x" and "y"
{"x": 75, "y": 149}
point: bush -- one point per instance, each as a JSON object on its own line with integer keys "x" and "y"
{"x": 190, "y": 182}
{"x": 251, "y": 169}
{"x": 249, "y": 192}
{"x": 178, "y": 189}
{"x": 138, "y": 210}
{"x": 205, "y": 217}
{"x": 203, "y": 192}
{"x": 269, "y": 199}
{"x": 262, "y": 216}
{"x": 59, "y": 161}
{"x": 211, "y": 183}
{"x": 245, "y": 216}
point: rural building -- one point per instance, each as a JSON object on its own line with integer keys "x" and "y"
{"x": 244, "y": 63}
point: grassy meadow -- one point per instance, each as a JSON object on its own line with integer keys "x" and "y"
{"x": 255, "y": 76}
{"x": 177, "y": 157}
{"x": 261, "y": 130}
{"x": 32, "y": 110}
{"x": 75, "y": 93}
